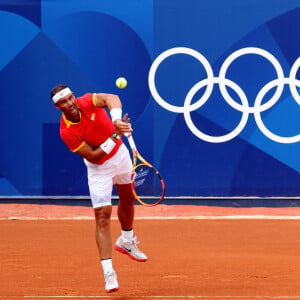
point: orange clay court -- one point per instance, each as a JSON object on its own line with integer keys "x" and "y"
{"x": 195, "y": 252}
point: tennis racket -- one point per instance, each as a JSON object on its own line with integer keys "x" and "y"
{"x": 147, "y": 184}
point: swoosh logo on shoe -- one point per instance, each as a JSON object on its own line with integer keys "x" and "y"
{"x": 128, "y": 250}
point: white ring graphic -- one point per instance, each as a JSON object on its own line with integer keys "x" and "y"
{"x": 295, "y": 82}
{"x": 257, "y": 116}
{"x": 223, "y": 83}
{"x": 209, "y": 138}
{"x": 162, "y": 57}
{"x": 256, "y": 51}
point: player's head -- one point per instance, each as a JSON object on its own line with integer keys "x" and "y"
{"x": 59, "y": 92}
{"x": 64, "y": 99}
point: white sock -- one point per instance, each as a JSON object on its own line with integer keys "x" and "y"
{"x": 107, "y": 265}
{"x": 127, "y": 235}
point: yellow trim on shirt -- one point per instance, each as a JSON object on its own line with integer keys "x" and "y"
{"x": 94, "y": 99}
{"x": 68, "y": 122}
{"x": 75, "y": 150}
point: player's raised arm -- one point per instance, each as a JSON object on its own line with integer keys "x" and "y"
{"x": 113, "y": 103}
{"x": 107, "y": 100}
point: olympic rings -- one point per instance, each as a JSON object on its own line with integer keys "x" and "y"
{"x": 223, "y": 83}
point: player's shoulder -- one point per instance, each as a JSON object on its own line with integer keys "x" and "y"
{"x": 85, "y": 97}
{"x": 86, "y": 101}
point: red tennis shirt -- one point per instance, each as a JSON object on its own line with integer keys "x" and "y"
{"x": 94, "y": 128}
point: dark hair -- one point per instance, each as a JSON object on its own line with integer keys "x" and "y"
{"x": 57, "y": 88}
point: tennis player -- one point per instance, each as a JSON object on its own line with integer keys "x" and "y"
{"x": 87, "y": 130}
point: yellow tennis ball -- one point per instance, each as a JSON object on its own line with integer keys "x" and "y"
{"x": 121, "y": 82}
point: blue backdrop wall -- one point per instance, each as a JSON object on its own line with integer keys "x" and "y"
{"x": 213, "y": 91}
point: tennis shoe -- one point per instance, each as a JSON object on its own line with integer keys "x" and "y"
{"x": 130, "y": 248}
{"x": 111, "y": 282}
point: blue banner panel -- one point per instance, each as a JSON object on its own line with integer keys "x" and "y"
{"x": 213, "y": 91}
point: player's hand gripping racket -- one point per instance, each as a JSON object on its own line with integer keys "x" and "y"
{"x": 147, "y": 185}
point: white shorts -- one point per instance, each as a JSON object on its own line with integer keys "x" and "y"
{"x": 101, "y": 178}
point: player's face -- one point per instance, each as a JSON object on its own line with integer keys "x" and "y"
{"x": 68, "y": 105}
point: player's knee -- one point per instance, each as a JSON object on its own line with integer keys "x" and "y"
{"x": 126, "y": 203}
{"x": 126, "y": 196}
{"x": 102, "y": 216}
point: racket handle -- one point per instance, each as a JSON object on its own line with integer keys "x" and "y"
{"x": 131, "y": 141}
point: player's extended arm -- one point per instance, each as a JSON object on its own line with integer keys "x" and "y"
{"x": 95, "y": 155}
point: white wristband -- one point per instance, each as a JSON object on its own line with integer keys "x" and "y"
{"x": 108, "y": 145}
{"x": 116, "y": 114}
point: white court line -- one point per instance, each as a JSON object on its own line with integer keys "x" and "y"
{"x": 161, "y": 297}
{"x": 152, "y": 297}
{"x": 232, "y": 217}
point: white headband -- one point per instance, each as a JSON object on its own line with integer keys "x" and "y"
{"x": 66, "y": 91}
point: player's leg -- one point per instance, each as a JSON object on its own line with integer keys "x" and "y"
{"x": 100, "y": 186}
{"x": 104, "y": 243}
{"x": 103, "y": 233}
{"x": 125, "y": 206}
{"x": 122, "y": 183}
{"x": 126, "y": 243}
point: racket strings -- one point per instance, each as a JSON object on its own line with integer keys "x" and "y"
{"x": 147, "y": 184}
